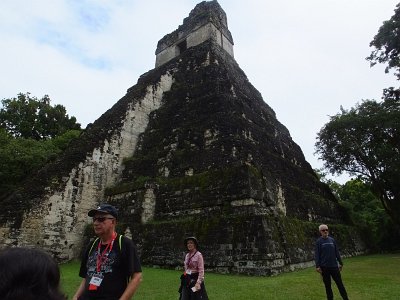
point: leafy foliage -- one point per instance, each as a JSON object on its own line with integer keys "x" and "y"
{"x": 365, "y": 141}
{"x": 367, "y": 213}
{"x": 32, "y": 132}
{"x": 29, "y": 117}
{"x": 387, "y": 44}
{"x": 20, "y": 157}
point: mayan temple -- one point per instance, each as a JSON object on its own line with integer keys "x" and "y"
{"x": 191, "y": 149}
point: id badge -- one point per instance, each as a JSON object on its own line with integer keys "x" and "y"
{"x": 96, "y": 280}
{"x": 188, "y": 272}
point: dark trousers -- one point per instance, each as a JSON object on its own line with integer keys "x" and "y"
{"x": 188, "y": 294}
{"x": 187, "y": 282}
{"x": 327, "y": 273}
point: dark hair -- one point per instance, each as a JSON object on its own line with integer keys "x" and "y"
{"x": 191, "y": 238}
{"x": 29, "y": 274}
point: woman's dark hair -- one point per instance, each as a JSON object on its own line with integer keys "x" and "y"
{"x": 193, "y": 239}
{"x": 28, "y": 274}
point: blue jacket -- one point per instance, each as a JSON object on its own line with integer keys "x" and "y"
{"x": 327, "y": 253}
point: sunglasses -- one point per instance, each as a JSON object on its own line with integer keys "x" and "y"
{"x": 101, "y": 219}
{"x": 324, "y": 230}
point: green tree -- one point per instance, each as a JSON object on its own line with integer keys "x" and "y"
{"x": 366, "y": 212}
{"x": 365, "y": 141}
{"x": 32, "y": 132}
{"x": 387, "y": 44}
{"x": 20, "y": 157}
{"x": 29, "y": 117}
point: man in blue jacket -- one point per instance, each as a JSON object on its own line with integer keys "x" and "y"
{"x": 328, "y": 262}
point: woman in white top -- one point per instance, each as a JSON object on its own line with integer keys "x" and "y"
{"x": 192, "y": 280}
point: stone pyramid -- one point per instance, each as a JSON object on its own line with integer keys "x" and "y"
{"x": 191, "y": 149}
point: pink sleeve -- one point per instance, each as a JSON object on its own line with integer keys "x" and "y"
{"x": 200, "y": 269}
{"x": 185, "y": 263}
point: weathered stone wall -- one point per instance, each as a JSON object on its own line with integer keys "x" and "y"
{"x": 198, "y": 36}
{"x": 216, "y": 163}
{"x": 57, "y": 221}
{"x": 192, "y": 149}
{"x": 256, "y": 245}
{"x": 206, "y": 21}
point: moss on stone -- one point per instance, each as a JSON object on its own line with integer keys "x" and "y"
{"x": 201, "y": 181}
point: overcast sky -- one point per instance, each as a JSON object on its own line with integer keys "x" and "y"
{"x": 307, "y": 58}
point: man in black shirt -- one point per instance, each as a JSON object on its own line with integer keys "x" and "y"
{"x": 110, "y": 267}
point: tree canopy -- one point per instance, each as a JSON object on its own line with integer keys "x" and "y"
{"x": 29, "y": 117}
{"x": 365, "y": 141}
{"x": 366, "y": 212}
{"x": 387, "y": 44}
{"x": 32, "y": 132}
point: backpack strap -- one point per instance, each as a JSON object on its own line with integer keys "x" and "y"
{"x": 91, "y": 248}
{"x": 95, "y": 241}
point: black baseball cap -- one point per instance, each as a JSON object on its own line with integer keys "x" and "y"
{"x": 104, "y": 208}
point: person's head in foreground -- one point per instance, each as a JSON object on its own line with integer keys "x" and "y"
{"x": 28, "y": 274}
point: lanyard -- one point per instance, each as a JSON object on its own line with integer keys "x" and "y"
{"x": 190, "y": 258}
{"x": 102, "y": 257}
{"x": 187, "y": 268}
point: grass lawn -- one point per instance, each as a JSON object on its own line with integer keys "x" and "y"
{"x": 365, "y": 277}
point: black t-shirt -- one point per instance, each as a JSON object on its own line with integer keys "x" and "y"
{"x": 116, "y": 269}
